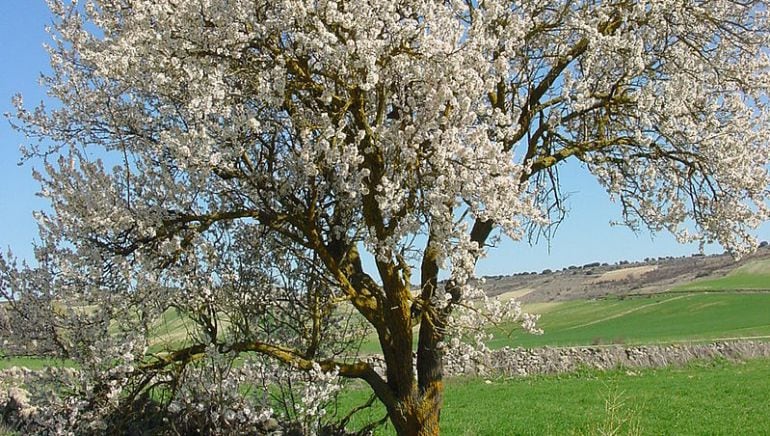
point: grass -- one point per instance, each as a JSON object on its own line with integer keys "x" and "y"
{"x": 752, "y": 276}
{"x": 703, "y": 398}
{"x": 684, "y": 313}
{"x": 661, "y": 318}
{"x": 34, "y": 363}
{"x": 169, "y": 331}
{"x": 7, "y": 431}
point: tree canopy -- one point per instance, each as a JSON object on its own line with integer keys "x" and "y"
{"x": 235, "y": 159}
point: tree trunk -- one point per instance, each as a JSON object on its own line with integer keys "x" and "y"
{"x": 414, "y": 403}
{"x": 417, "y": 418}
{"x": 416, "y": 410}
{"x": 413, "y": 395}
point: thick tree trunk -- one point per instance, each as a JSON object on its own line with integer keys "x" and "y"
{"x": 419, "y": 417}
{"x": 414, "y": 406}
{"x": 419, "y": 412}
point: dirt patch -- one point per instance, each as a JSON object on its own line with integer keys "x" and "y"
{"x": 518, "y": 293}
{"x": 625, "y": 273}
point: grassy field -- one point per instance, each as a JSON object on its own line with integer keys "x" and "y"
{"x": 733, "y": 306}
{"x": 655, "y": 319}
{"x": 752, "y": 276}
{"x": 32, "y": 363}
{"x": 703, "y": 398}
{"x": 660, "y": 318}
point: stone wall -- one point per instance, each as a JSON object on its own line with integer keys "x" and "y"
{"x": 522, "y": 362}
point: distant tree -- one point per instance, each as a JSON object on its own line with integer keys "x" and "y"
{"x": 234, "y": 159}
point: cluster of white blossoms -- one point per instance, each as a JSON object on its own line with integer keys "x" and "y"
{"x": 465, "y": 343}
{"x": 231, "y": 160}
{"x": 223, "y": 397}
{"x": 215, "y": 396}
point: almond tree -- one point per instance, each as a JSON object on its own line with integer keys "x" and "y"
{"x": 201, "y": 151}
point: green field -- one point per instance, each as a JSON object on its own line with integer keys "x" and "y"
{"x": 752, "y": 276}
{"x": 715, "y": 398}
{"x": 32, "y": 362}
{"x": 734, "y": 306}
{"x": 658, "y": 318}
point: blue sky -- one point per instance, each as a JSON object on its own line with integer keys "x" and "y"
{"x": 585, "y": 236}
{"x": 22, "y": 59}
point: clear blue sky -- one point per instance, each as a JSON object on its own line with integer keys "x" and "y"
{"x": 586, "y": 235}
{"x": 22, "y": 59}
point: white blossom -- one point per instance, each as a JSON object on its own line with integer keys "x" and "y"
{"x": 229, "y": 161}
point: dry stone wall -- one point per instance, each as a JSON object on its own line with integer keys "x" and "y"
{"x": 522, "y": 362}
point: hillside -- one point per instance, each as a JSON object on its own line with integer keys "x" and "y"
{"x": 594, "y": 280}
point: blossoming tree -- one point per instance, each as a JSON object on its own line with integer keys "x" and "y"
{"x": 234, "y": 159}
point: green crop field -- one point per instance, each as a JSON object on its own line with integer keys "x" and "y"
{"x": 752, "y": 276}
{"x": 715, "y": 398}
{"x": 684, "y": 313}
{"x": 32, "y": 362}
{"x": 655, "y": 319}
{"x": 660, "y": 318}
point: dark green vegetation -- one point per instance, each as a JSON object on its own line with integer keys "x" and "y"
{"x": 703, "y": 398}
